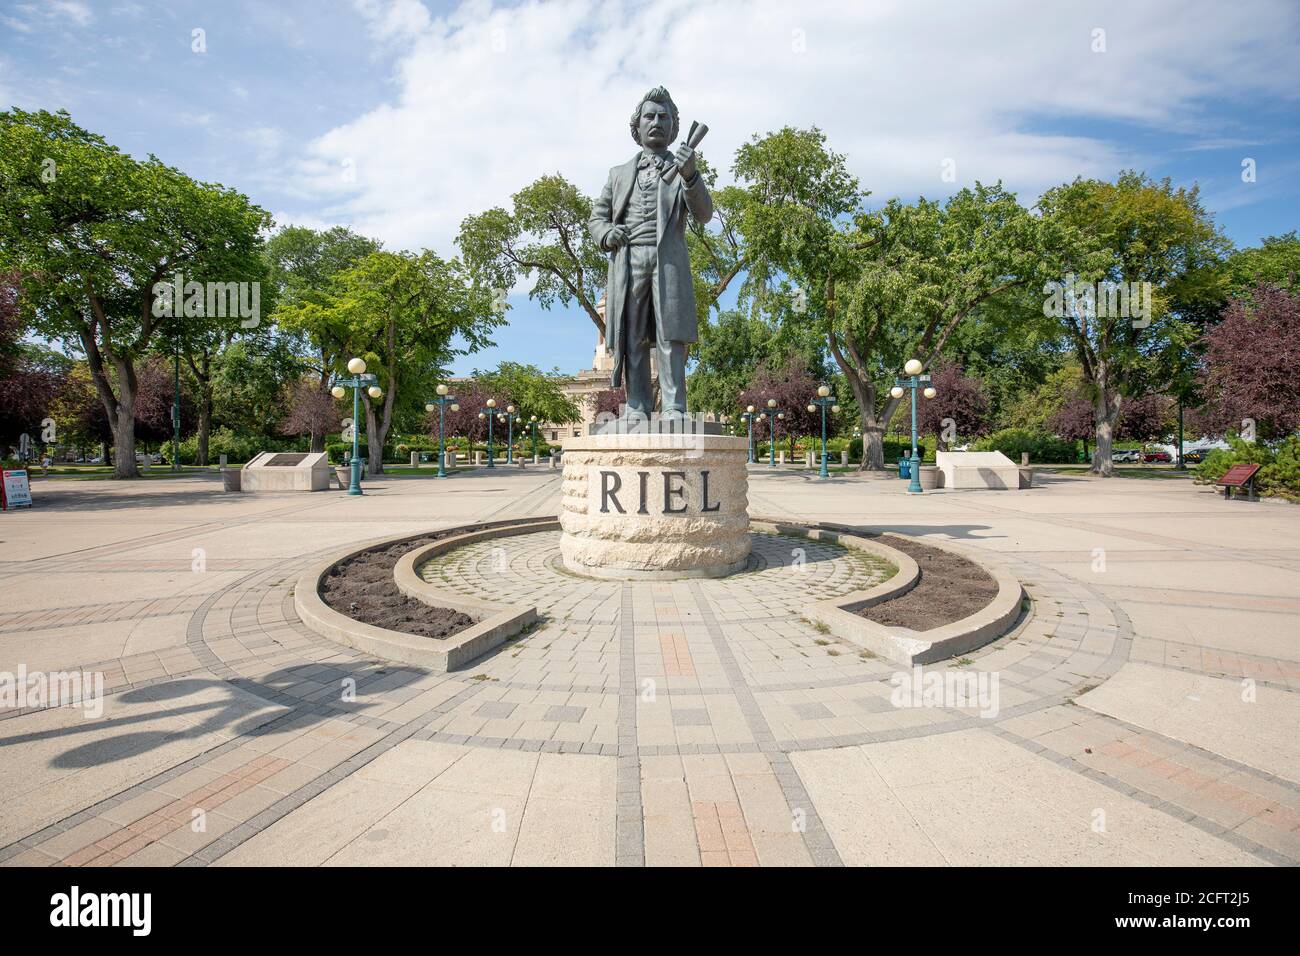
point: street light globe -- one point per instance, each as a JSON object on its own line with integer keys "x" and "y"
{"x": 510, "y": 409}
{"x": 930, "y": 392}
{"x": 913, "y": 367}
{"x": 812, "y": 408}
{"x": 442, "y": 390}
{"x": 428, "y": 406}
{"x": 455, "y": 406}
{"x": 532, "y": 418}
{"x": 338, "y": 391}
{"x": 781, "y": 415}
{"x": 750, "y": 409}
{"x": 481, "y": 416}
{"x": 491, "y": 403}
{"x": 771, "y": 403}
{"x": 835, "y": 409}
{"x": 823, "y": 390}
{"x": 356, "y": 366}
{"x": 374, "y": 391}
{"x": 896, "y": 391}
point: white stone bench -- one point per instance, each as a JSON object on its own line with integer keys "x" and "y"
{"x": 977, "y": 469}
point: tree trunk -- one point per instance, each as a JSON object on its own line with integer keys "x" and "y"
{"x": 873, "y": 445}
{"x": 374, "y": 440}
{"x": 1105, "y": 416}
{"x": 205, "y": 423}
{"x": 319, "y": 429}
{"x": 123, "y": 425}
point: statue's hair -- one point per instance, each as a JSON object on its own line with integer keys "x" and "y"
{"x": 657, "y": 95}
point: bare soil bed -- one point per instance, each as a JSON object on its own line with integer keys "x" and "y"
{"x": 950, "y": 588}
{"x": 362, "y": 587}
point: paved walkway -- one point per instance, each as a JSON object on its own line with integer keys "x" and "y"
{"x": 1147, "y": 714}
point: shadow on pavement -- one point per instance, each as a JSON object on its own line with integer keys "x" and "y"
{"x": 297, "y": 687}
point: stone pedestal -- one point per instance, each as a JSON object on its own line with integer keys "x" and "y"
{"x": 655, "y": 506}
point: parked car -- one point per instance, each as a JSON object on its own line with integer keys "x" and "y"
{"x": 1126, "y": 454}
{"x": 1153, "y": 457}
{"x": 1195, "y": 456}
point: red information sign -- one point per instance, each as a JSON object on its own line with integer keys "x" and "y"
{"x": 1237, "y": 476}
{"x": 15, "y": 492}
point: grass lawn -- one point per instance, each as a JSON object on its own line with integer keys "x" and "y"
{"x": 1122, "y": 471}
{"x": 105, "y": 472}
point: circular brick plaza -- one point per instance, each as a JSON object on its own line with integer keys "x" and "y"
{"x": 686, "y": 722}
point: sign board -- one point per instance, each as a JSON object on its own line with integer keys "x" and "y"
{"x": 15, "y": 492}
{"x": 1237, "y": 476}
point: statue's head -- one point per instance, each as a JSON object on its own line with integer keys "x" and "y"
{"x": 654, "y": 124}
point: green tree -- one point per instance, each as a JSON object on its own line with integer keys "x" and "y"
{"x": 304, "y": 266}
{"x": 532, "y": 391}
{"x": 407, "y": 316}
{"x": 881, "y": 286}
{"x": 248, "y": 381}
{"x": 735, "y": 345}
{"x": 93, "y": 231}
{"x": 1127, "y": 236}
{"x": 544, "y": 236}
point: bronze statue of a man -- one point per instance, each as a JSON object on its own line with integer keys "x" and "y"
{"x": 640, "y": 220}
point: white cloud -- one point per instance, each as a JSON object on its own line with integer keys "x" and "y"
{"x": 266, "y": 141}
{"x": 56, "y": 13}
{"x": 79, "y": 13}
{"x": 487, "y": 98}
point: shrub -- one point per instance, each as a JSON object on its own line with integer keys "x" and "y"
{"x": 237, "y": 448}
{"x": 340, "y": 452}
{"x": 1279, "y": 477}
{"x": 894, "y": 449}
{"x": 1042, "y": 447}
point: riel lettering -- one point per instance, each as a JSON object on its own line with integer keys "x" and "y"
{"x": 667, "y": 492}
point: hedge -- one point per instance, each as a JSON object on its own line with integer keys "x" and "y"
{"x": 1042, "y": 447}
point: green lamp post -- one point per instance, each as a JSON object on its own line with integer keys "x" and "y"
{"x": 532, "y": 424}
{"x": 773, "y": 415}
{"x": 441, "y": 403}
{"x": 914, "y": 380}
{"x": 749, "y": 416}
{"x": 824, "y": 400}
{"x": 358, "y": 381}
{"x": 509, "y": 419}
{"x": 489, "y": 413}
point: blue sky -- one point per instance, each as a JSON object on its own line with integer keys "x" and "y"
{"x": 399, "y": 118}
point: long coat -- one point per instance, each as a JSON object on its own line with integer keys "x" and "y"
{"x": 673, "y": 289}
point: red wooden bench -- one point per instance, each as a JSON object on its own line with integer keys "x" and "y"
{"x": 1239, "y": 476}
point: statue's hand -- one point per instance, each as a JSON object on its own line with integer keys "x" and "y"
{"x": 616, "y": 238}
{"x": 686, "y": 162}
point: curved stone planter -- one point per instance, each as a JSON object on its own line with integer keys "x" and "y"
{"x": 900, "y": 644}
{"x": 493, "y": 623}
